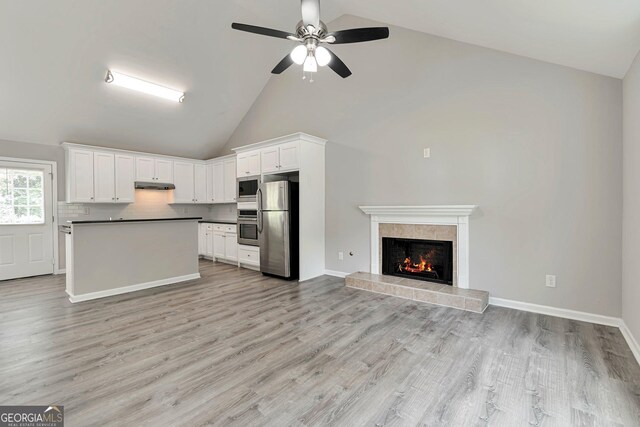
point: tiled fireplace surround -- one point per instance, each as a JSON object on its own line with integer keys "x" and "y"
{"x": 448, "y": 233}
{"x": 447, "y": 223}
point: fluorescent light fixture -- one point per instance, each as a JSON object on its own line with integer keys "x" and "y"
{"x": 138, "y": 85}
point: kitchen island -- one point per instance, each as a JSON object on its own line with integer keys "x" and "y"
{"x": 111, "y": 257}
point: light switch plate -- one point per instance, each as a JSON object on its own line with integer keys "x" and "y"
{"x": 427, "y": 153}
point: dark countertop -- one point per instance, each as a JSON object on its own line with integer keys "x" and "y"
{"x": 104, "y": 221}
{"x": 222, "y": 221}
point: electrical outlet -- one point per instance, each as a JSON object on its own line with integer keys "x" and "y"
{"x": 427, "y": 153}
{"x": 551, "y": 281}
{"x": 341, "y": 256}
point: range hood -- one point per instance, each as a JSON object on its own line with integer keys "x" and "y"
{"x": 143, "y": 185}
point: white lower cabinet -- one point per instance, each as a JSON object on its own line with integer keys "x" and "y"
{"x": 231, "y": 246}
{"x": 218, "y": 245}
{"x": 249, "y": 256}
{"x": 202, "y": 239}
{"x": 218, "y": 242}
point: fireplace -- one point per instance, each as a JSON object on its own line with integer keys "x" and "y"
{"x": 430, "y": 260}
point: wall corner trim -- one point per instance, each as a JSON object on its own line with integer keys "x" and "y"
{"x": 631, "y": 340}
{"x": 335, "y": 273}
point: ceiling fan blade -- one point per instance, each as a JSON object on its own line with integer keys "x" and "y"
{"x": 283, "y": 65}
{"x": 356, "y": 35}
{"x": 338, "y": 66}
{"x": 263, "y": 31}
{"x": 311, "y": 13}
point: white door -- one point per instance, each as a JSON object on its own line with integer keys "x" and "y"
{"x": 270, "y": 159}
{"x": 80, "y": 187}
{"x": 200, "y": 183}
{"x": 218, "y": 245}
{"x": 289, "y": 156}
{"x": 243, "y": 165}
{"x": 202, "y": 239}
{"x": 164, "y": 171}
{"x": 218, "y": 182}
{"x": 230, "y": 180}
{"x": 210, "y": 183}
{"x": 231, "y": 246}
{"x": 209, "y": 241}
{"x": 145, "y": 169}
{"x": 104, "y": 177}
{"x": 254, "y": 162}
{"x": 125, "y": 177}
{"x": 183, "y": 177}
{"x": 26, "y": 220}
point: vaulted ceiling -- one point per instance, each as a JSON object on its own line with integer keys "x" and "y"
{"x": 54, "y": 56}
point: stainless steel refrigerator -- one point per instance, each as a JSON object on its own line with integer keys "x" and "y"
{"x": 278, "y": 228}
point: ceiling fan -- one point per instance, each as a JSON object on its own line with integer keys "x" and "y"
{"x": 311, "y": 32}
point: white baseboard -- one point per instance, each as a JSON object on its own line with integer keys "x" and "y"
{"x": 631, "y": 340}
{"x": 336, "y": 273}
{"x": 60, "y": 271}
{"x": 558, "y": 312}
{"x": 132, "y": 288}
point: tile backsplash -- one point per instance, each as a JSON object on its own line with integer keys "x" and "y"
{"x": 148, "y": 204}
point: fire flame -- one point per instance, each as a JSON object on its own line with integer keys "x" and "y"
{"x": 409, "y": 266}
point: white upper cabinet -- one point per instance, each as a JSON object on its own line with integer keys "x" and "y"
{"x": 211, "y": 184}
{"x": 270, "y": 159}
{"x": 230, "y": 179}
{"x": 125, "y": 173}
{"x": 95, "y": 176}
{"x": 248, "y": 163}
{"x": 184, "y": 182}
{"x": 79, "y": 176}
{"x": 154, "y": 169}
{"x": 218, "y": 179}
{"x": 104, "y": 178}
{"x": 103, "y": 175}
{"x": 289, "y": 156}
{"x": 164, "y": 171}
{"x": 280, "y": 158}
{"x": 145, "y": 169}
{"x": 200, "y": 183}
{"x": 215, "y": 182}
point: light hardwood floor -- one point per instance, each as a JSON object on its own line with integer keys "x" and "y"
{"x": 237, "y": 348}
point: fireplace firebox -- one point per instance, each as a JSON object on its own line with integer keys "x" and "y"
{"x": 429, "y": 260}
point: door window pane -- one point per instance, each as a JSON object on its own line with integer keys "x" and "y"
{"x": 21, "y": 196}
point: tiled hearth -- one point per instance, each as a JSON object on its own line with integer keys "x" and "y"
{"x": 417, "y": 290}
{"x": 437, "y": 223}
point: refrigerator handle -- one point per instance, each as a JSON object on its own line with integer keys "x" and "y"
{"x": 259, "y": 200}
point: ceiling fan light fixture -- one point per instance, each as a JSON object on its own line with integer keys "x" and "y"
{"x": 299, "y": 54}
{"x": 310, "y": 64}
{"x": 323, "y": 57}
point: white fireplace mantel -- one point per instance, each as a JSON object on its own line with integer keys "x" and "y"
{"x": 457, "y": 215}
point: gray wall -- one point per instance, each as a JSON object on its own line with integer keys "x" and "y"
{"x": 631, "y": 230}
{"x": 537, "y": 146}
{"x": 23, "y": 150}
